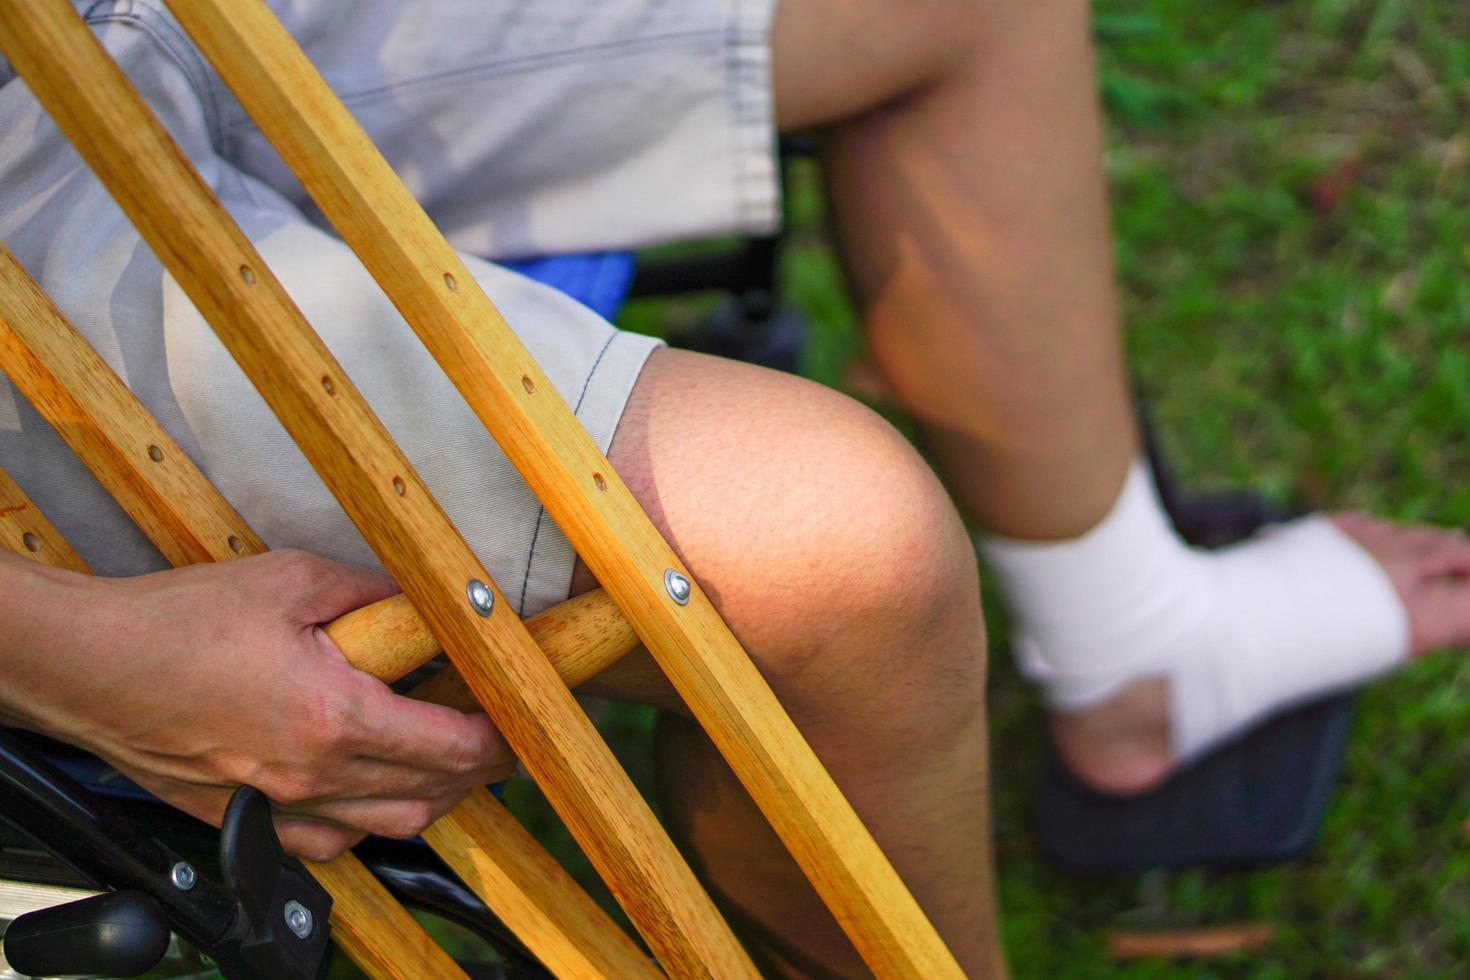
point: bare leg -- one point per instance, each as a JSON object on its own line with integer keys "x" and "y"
{"x": 963, "y": 162}
{"x": 836, "y": 557}
{"x": 972, "y": 217}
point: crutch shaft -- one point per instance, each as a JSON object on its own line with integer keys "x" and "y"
{"x": 228, "y": 281}
{"x": 187, "y": 518}
{"x": 431, "y": 286}
{"x": 377, "y": 932}
{"x": 26, "y": 531}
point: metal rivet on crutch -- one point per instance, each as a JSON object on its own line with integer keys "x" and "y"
{"x": 482, "y": 600}
{"x": 183, "y": 876}
{"x": 679, "y": 587}
{"x": 298, "y": 919}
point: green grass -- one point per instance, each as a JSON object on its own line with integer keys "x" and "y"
{"x": 1292, "y": 194}
{"x": 1295, "y": 338}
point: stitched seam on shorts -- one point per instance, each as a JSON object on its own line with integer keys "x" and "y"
{"x": 541, "y": 510}
{"x": 176, "y": 47}
{"x": 732, "y": 94}
{"x": 510, "y": 66}
{"x": 745, "y": 53}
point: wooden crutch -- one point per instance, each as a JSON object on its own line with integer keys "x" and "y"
{"x": 715, "y": 678}
{"x": 424, "y": 277}
{"x": 377, "y": 932}
{"x": 26, "y": 531}
{"x": 94, "y": 104}
{"x": 149, "y": 475}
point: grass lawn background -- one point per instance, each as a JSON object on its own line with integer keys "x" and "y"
{"x": 1291, "y": 185}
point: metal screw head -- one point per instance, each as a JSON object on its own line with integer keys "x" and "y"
{"x": 183, "y": 876}
{"x": 482, "y": 600}
{"x": 298, "y": 919}
{"x": 678, "y": 586}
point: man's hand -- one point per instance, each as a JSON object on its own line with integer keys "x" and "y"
{"x": 196, "y": 680}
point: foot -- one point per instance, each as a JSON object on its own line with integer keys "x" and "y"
{"x": 1121, "y": 746}
{"x": 1429, "y": 568}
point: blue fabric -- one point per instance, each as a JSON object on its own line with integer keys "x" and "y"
{"x": 599, "y": 281}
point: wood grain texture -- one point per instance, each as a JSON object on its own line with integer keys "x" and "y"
{"x": 43, "y": 355}
{"x": 26, "y": 531}
{"x": 388, "y": 639}
{"x": 423, "y": 276}
{"x": 513, "y": 866}
{"x": 126, "y": 146}
{"x": 581, "y": 637}
{"x": 188, "y": 519}
{"x": 364, "y": 916}
{"x": 379, "y": 935}
{"x": 135, "y": 460}
{"x": 171, "y": 501}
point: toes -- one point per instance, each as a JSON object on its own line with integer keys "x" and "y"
{"x": 1371, "y": 532}
{"x": 1433, "y": 551}
{"x": 1351, "y": 519}
{"x": 1430, "y": 567}
{"x": 1421, "y": 550}
{"x": 1449, "y": 555}
{"x": 1439, "y": 615}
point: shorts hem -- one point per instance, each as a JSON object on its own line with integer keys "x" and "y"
{"x": 752, "y": 99}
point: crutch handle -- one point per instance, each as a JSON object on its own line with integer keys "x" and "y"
{"x": 388, "y": 639}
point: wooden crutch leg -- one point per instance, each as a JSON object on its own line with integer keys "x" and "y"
{"x": 26, "y": 531}
{"x": 424, "y": 277}
{"x": 126, "y": 146}
{"x": 367, "y": 922}
{"x": 159, "y": 487}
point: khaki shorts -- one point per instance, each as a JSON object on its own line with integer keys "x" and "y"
{"x": 526, "y": 127}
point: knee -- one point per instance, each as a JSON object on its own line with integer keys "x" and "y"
{"x": 888, "y": 608}
{"x": 854, "y": 580}
{"x": 827, "y": 543}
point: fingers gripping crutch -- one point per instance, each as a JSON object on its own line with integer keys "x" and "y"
{"x": 189, "y": 520}
{"x": 377, "y": 932}
{"x": 228, "y": 282}
{"x": 423, "y": 276}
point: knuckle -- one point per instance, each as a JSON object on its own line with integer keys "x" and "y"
{"x": 471, "y": 753}
{"x": 290, "y": 787}
{"x": 292, "y": 571}
{"x": 238, "y": 769}
{"x": 315, "y": 843}
{"x": 408, "y": 819}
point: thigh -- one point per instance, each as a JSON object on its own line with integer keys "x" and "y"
{"x": 527, "y": 127}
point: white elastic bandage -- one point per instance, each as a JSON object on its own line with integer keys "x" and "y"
{"x": 1297, "y": 611}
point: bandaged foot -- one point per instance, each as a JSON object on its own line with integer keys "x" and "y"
{"x": 1128, "y": 618}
